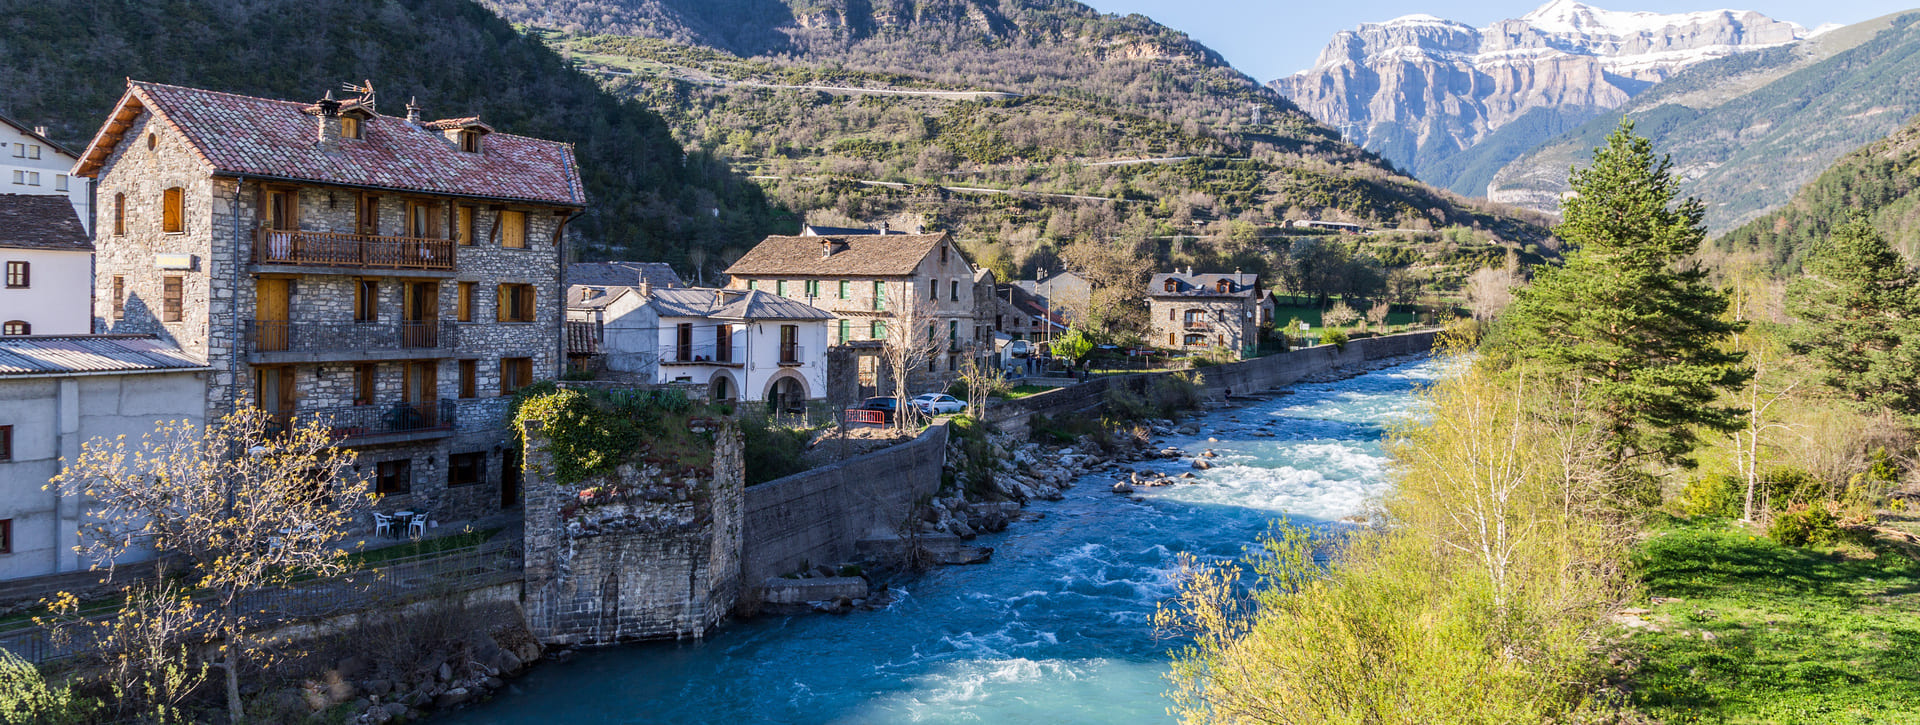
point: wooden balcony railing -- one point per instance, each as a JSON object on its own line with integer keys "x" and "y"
{"x": 359, "y": 421}
{"x": 705, "y": 354}
{"x": 275, "y": 336}
{"x": 334, "y": 249}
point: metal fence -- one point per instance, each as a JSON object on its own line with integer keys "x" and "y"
{"x": 391, "y": 582}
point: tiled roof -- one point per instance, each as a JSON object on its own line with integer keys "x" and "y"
{"x": 623, "y": 274}
{"x": 854, "y": 256}
{"x": 56, "y": 354}
{"x": 732, "y": 305}
{"x": 30, "y": 221}
{"x": 581, "y": 338}
{"x": 28, "y": 130}
{"x": 593, "y": 296}
{"x": 1204, "y": 285}
{"x": 813, "y": 231}
{"x": 278, "y": 139}
{"x": 462, "y": 122}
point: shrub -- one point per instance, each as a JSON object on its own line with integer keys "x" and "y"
{"x": 772, "y": 451}
{"x": 1335, "y": 337}
{"x": 1714, "y": 495}
{"x": 1174, "y": 393}
{"x": 26, "y": 697}
{"x": 1804, "y": 524}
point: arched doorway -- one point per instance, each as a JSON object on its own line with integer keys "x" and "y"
{"x": 787, "y": 392}
{"x": 722, "y": 387}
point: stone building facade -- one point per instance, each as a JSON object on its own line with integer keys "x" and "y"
{"x": 1200, "y": 312}
{"x": 394, "y": 277}
{"x": 864, "y": 280}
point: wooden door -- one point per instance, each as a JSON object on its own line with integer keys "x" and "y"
{"x": 422, "y": 384}
{"x": 273, "y": 300}
{"x": 420, "y": 314}
{"x": 273, "y": 389}
{"x": 510, "y": 478}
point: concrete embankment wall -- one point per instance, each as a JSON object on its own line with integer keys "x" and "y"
{"x": 816, "y": 517}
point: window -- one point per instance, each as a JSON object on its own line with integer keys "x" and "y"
{"x": 846, "y": 331}
{"x": 422, "y": 222}
{"x": 879, "y": 295}
{"x": 515, "y": 303}
{"x": 119, "y": 214}
{"x": 6, "y": 443}
{"x": 1172, "y": 315}
{"x": 468, "y": 379}
{"x": 683, "y": 342}
{"x": 393, "y": 477}
{"x": 933, "y": 289}
{"x": 1223, "y": 286}
{"x": 6, "y": 536}
{"x": 363, "y": 383}
{"x": 1171, "y": 339}
{"x": 467, "y": 469}
{"x": 789, "y": 344}
{"x": 513, "y": 229}
{"x": 515, "y": 373}
{"x": 953, "y": 330}
{"x": 349, "y": 127}
{"x": 943, "y": 254}
{"x": 1196, "y": 339}
{"x": 753, "y": 284}
{"x": 1169, "y": 286}
{"x": 878, "y": 330}
{"x": 780, "y": 288}
{"x": 470, "y": 141}
{"x": 813, "y": 288}
{"x": 173, "y": 210}
{"x": 366, "y": 218}
{"x": 19, "y": 274}
{"x": 60, "y": 182}
{"x": 463, "y": 225}
{"x": 33, "y": 152}
{"x": 170, "y": 306}
{"x": 955, "y": 293}
{"x": 152, "y": 141}
{"x": 463, "y": 306}
{"x": 16, "y": 327}
{"x": 723, "y": 343}
{"x": 119, "y": 297}
{"x": 366, "y": 301}
{"x": 846, "y": 289}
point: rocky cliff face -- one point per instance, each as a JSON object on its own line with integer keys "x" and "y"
{"x": 1420, "y": 89}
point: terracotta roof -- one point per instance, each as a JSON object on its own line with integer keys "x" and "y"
{"x": 32, "y": 221}
{"x": 463, "y": 122}
{"x": 582, "y": 338}
{"x": 732, "y": 305}
{"x": 854, "y": 256}
{"x": 1204, "y": 285}
{"x": 277, "y": 139}
{"x": 623, "y": 274}
{"x": 56, "y": 354}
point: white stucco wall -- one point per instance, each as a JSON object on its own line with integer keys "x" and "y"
{"x": 51, "y": 417}
{"x": 16, "y": 154}
{"x": 58, "y": 298}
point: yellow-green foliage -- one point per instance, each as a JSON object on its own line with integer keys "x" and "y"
{"x": 1481, "y": 602}
{"x": 27, "y": 697}
{"x": 590, "y": 433}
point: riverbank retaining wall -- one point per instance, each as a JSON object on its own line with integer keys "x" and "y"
{"x": 817, "y": 517}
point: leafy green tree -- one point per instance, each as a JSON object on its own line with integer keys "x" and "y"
{"x": 1629, "y": 318}
{"x": 1861, "y": 319}
{"x": 1073, "y": 345}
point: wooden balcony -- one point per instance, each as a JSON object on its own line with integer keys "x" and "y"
{"x": 707, "y": 354}
{"x": 356, "y": 251}
{"x": 294, "y": 342}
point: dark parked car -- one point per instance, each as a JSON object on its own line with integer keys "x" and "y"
{"x": 886, "y": 406}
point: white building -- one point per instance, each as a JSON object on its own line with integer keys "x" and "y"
{"x": 31, "y": 163}
{"x": 57, "y": 392}
{"x": 742, "y": 344}
{"x": 46, "y": 268}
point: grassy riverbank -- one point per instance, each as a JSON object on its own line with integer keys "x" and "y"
{"x": 1741, "y": 629}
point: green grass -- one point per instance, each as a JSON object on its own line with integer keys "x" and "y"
{"x": 376, "y": 557}
{"x": 1802, "y": 635}
{"x": 1022, "y": 391}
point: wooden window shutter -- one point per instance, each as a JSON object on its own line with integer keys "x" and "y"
{"x": 171, "y": 211}
{"x": 502, "y": 303}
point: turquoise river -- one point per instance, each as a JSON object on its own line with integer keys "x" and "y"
{"x": 1056, "y": 629}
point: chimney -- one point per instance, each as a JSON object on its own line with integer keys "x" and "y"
{"x": 646, "y": 288}
{"x": 1189, "y": 270}
{"x": 413, "y": 111}
{"x": 883, "y": 229}
{"x": 40, "y": 130}
{"x": 329, "y": 119}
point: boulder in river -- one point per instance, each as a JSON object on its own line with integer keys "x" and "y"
{"x": 1201, "y": 464}
{"x": 1122, "y": 487}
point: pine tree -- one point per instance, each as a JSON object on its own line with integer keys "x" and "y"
{"x": 1861, "y": 318}
{"x": 1629, "y": 317}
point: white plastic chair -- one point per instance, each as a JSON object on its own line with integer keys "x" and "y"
{"x": 417, "y": 527}
{"x": 382, "y": 524}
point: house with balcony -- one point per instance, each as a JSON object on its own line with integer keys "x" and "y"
{"x": 393, "y": 277}
{"x": 46, "y": 267}
{"x": 1200, "y": 312}
{"x": 740, "y": 344}
{"x": 33, "y": 163}
{"x": 864, "y": 280}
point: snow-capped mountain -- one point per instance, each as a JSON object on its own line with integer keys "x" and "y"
{"x": 1421, "y": 89}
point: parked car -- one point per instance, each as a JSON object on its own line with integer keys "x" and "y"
{"x": 887, "y": 406}
{"x": 1019, "y": 348}
{"x": 938, "y": 404}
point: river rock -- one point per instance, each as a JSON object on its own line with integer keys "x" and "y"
{"x": 961, "y": 529}
{"x": 1123, "y": 487}
{"x": 1201, "y": 464}
{"x": 445, "y": 672}
{"x": 1208, "y": 453}
{"x": 451, "y": 698}
{"x": 1188, "y": 475}
{"x": 394, "y": 709}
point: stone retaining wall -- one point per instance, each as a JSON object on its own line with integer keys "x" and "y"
{"x": 817, "y": 517}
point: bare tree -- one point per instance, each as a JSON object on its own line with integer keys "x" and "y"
{"x": 1489, "y": 291}
{"x": 1378, "y": 314}
{"x": 983, "y": 380}
{"x": 1339, "y": 315}
{"x": 911, "y": 342}
{"x": 247, "y": 503}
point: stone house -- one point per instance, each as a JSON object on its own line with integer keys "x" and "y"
{"x": 1066, "y": 293}
{"x": 739, "y": 344}
{"x": 31, "y": 163}
{"x": 863, "y": 280}
{"x": 1198, "y": 312}
{"x": 394, "y": 277}
{"x": 46, "y": 260}
{"x": 57, "y": 392}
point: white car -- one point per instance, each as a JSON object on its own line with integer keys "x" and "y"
{"x": 938, "y": 403}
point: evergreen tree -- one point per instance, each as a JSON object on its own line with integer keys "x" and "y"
{"x": 1629, "y": 318}
{"x": 1861, "y": 318}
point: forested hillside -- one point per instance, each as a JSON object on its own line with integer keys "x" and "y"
{"x": 65, "y": 62}
{"x": 1880, "y": 182}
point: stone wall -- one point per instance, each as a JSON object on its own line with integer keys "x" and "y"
{"x": 644, "y": 553}
{"x": 817, "y": 517}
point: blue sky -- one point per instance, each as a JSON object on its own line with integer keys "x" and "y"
{"x": 1268, "y": 38}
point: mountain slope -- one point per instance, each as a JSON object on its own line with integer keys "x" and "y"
{"x": 1422, "y": 91}
{"x": 1747, "y": 131}
{"x": 64, "y": 63}
{"x": 1880, "y": 181}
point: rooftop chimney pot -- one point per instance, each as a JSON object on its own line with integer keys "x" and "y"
{"x": 42, "y": 130}
{"x": 413, "y": 111}
{"x": 646, "y": 288}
